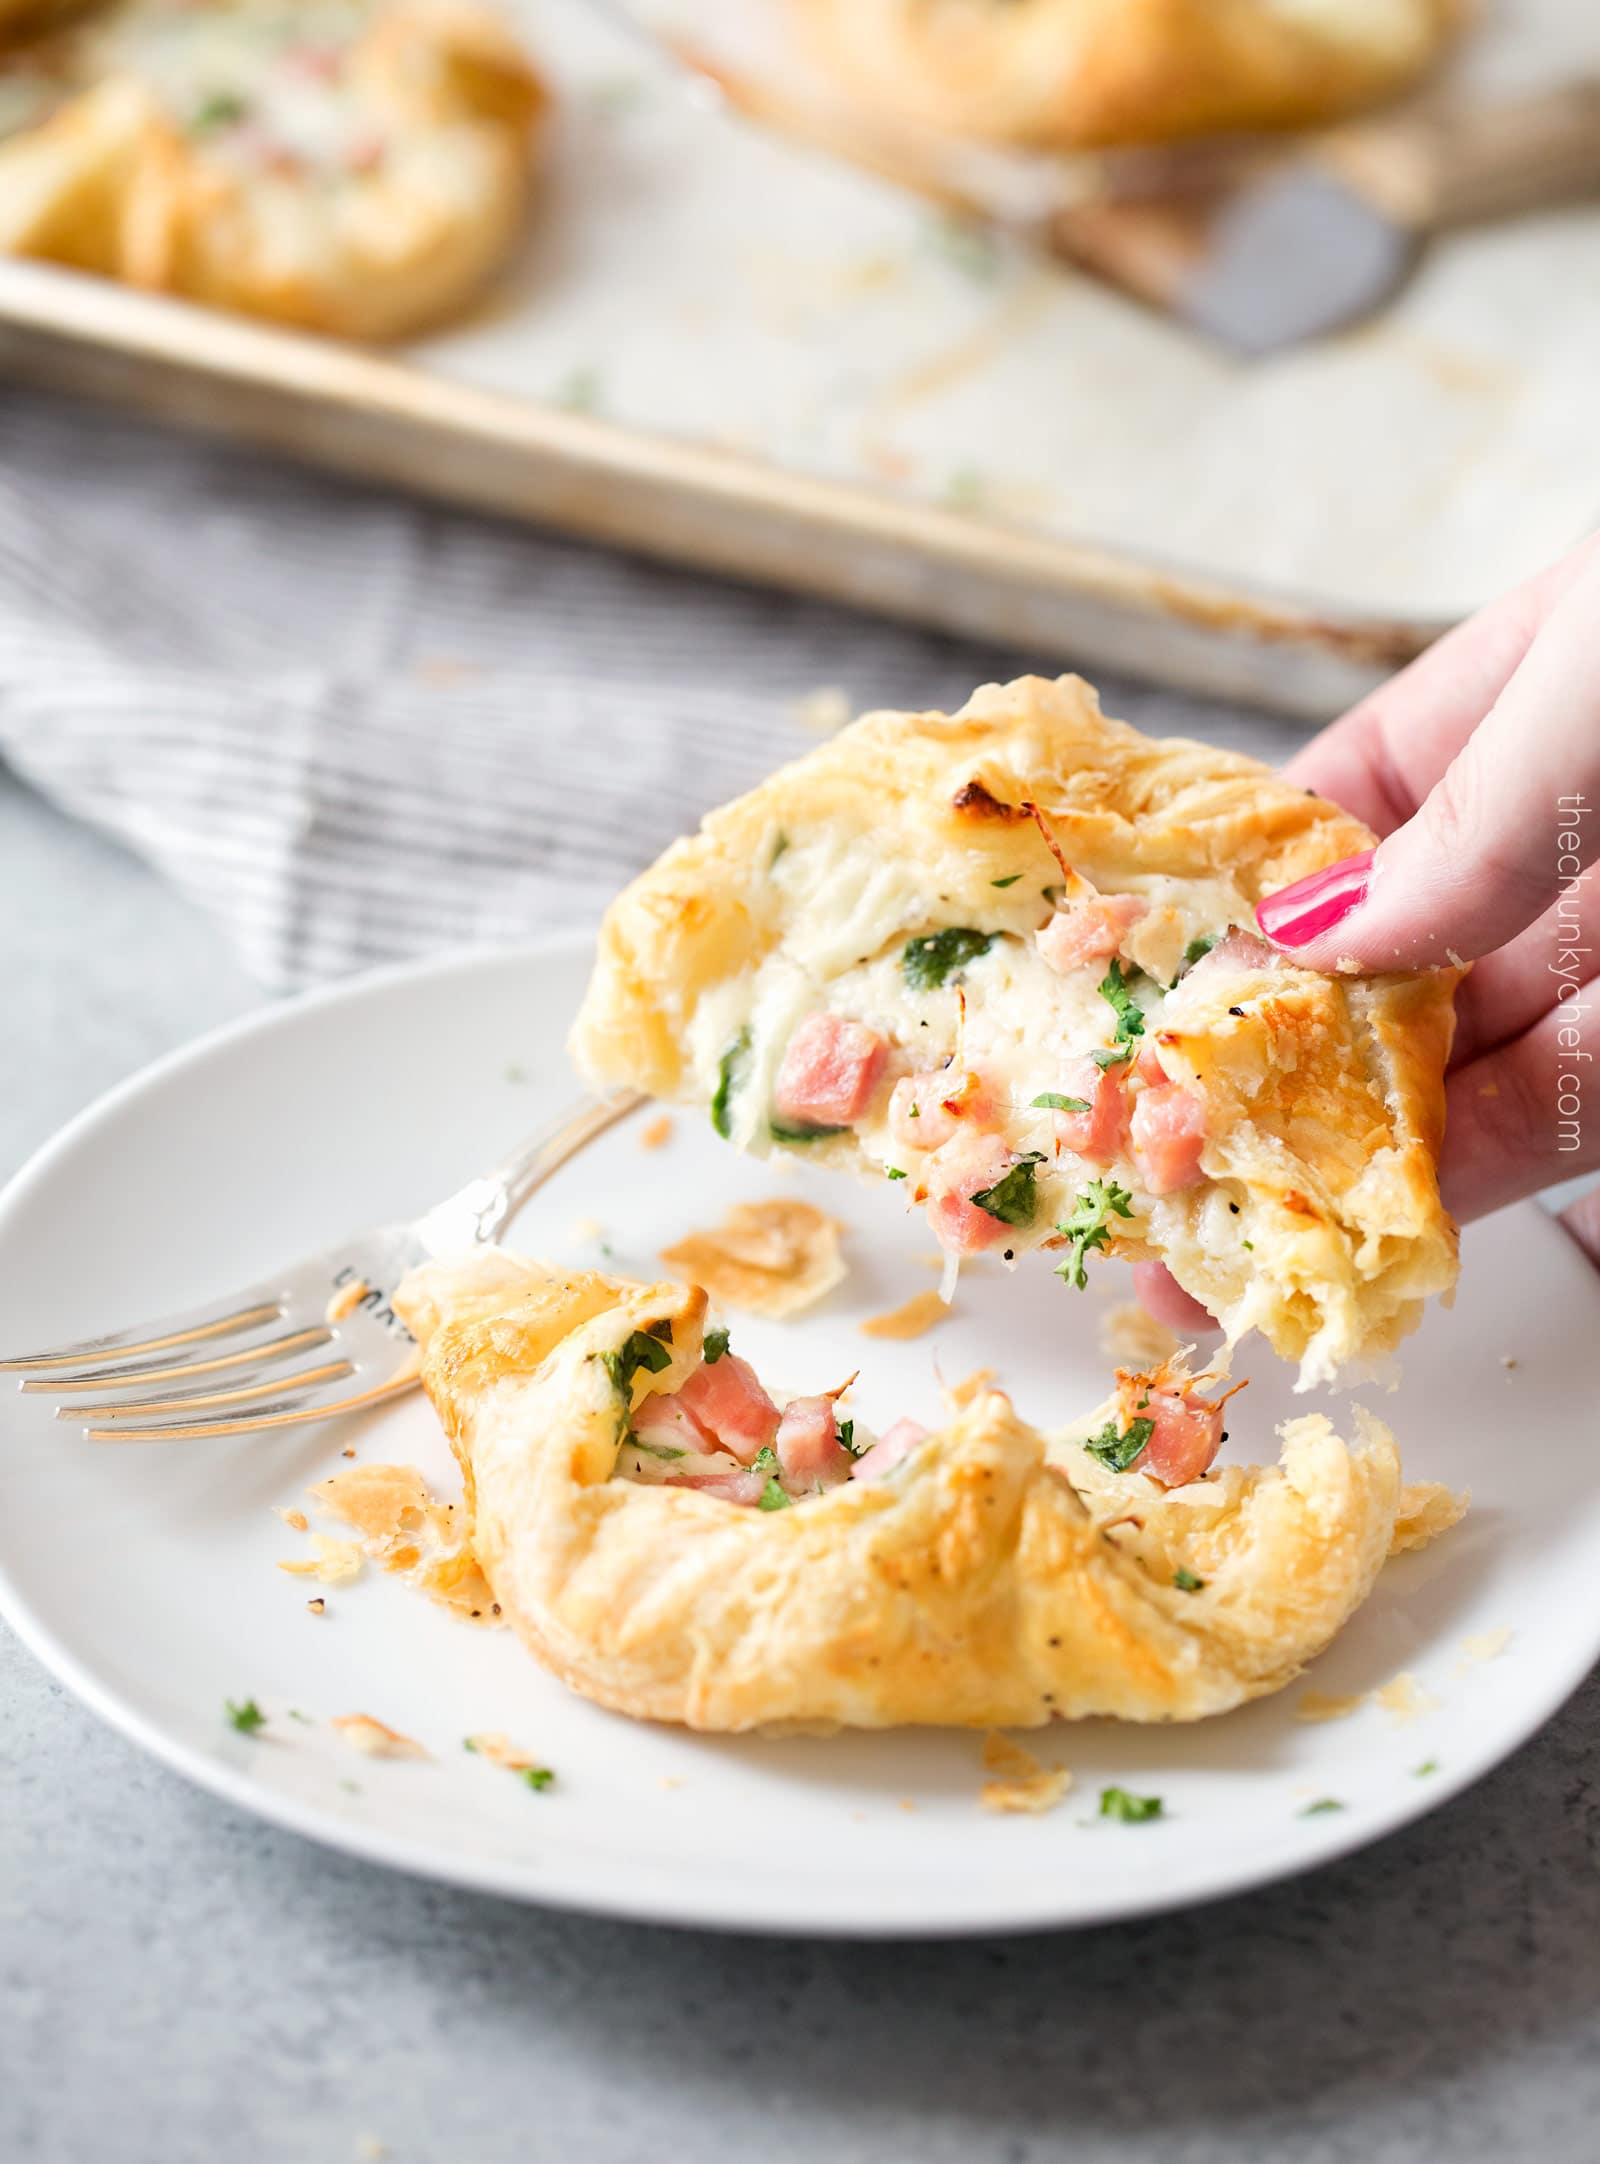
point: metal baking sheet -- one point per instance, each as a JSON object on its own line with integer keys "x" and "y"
{"x": 732, "y": 353}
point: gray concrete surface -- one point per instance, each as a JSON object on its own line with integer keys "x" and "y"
{"x": 179, "y": 1983}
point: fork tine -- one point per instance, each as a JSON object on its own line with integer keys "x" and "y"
{"x": 267, "y": 1353}
{"x": 321, "y": 1408}
{"x": 182, "y": 1331}
{"x": 282, "y": 1387}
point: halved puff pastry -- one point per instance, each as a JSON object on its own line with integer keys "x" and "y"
{"x": 997, "y": 957}
{"x": 352, "y": 166}
{"x": 984, "y": 1578}
{"x": 1083, "y": 73}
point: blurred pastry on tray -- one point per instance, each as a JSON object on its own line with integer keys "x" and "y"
{"x": 360, "y": 167}
{"x": 1085, "y": 74}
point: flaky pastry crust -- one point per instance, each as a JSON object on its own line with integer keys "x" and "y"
{"x": 1324, "y": 1095}
{"x": 1087, "y": 73}
{"x": 400, "y": 184}
{"x": 975, "y": 1587}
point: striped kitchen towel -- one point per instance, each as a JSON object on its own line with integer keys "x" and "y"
{"x": 357, "y": 728}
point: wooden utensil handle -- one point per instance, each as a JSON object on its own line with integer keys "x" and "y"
{"x": 1466, "y": 166}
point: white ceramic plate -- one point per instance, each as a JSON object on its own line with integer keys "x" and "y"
{"x": 145, "y": 1578}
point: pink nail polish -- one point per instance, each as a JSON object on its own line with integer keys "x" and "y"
{"x": 1296, "y": 915}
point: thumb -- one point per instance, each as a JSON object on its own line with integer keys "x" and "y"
{"x": 1509, "y": 826}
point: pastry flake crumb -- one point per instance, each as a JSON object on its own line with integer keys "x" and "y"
{"x": 1426, "y": 1509}
{"x": 499, "y": 1750}
{"x": 296, "y": 1519}
{"x": 773, "y": 1259}
{"x": 1020, "y": 1782}
{"x": 332, "y": 1562}
{"x": 658, "y": 1134}
{"x": 1131, "y": 1337}
{"x": 971, "y": 1387}
{"x": 923, "y": 1312}
{"x": 587, "y": 1229}
{"x": 671, "y": 1780}
{"x": 825, "y": 711}
{"x": 378, "y": 1500}
{"x": 404, "y": 1531}
{"x": 346, "y": 1300}
{"x": 1485, "y": 1646}
{"x": 318, "y": 1606}
{"x": 1403, "y": 1698}
{"x": 370, "y": 2147}
{"x": 374, "y": 1739}
{"x": 1327, "y": 1706}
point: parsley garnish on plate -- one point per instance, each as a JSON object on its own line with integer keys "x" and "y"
{"x": 893, "y": 1172}
{"x": 643, "y": 1349}
{"x": 1133, "y": 1810}
{"x": 1116, "y": 1451}
{"x": 714, "y": 1345}
{"x": 1089, "y": 1226}
{"x": 1429, "y": 1765}
{"x": 1186, "y": 1581}
{"x": 1053, "y": 1101}
{"x": 536, "y": 1777}
{"x": 1012, "y": 1199}
{"x": 246, "y": 1715}
{"x": 932, "y": 960}
{"x": 1321, "y": 1807}
{"x": 730, "y": 1074}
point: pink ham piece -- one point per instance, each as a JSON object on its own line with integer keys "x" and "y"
{"x": 963, "y": 1168}
{"x": 1187, "y": 1437}
{"x": 810, "y": 1454}
{"x": 926, "y": 1110}
{"x": 725, "y": 1401}
{"x": 893, "y": 1445}
{"x": 1240, "y": 950}
{"x": 1169, "y": 1133}
{"x": 830, "y": 1070}
{"x": 1090, "y": 930}
{"x": 745, "y": 1488}
{"x": 1101, "y": 1133}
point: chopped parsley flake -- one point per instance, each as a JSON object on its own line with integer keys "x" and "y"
{"x": 1011, "y": 882}
{"x": 847, "y": 1437}
{"x": 1429, "y": 1765}
{"x": 1321, "y": 1807}
{"x": 536, "y": 1777}
{"x": 643, "y": 1349}
{"x": 246, "y": 1716}
{"x": 1012, "y": 1198}
{"x": 714, "y": 1346}
{"x": 652, "y": 1450}
{"x": 730, "y": 1074}
{"x": 932, "y": 960}
{"x": 1132, "y": 1810}
{"x": 778, "y": 847}
{"x": 781, "y": 1133}
{"x": 1116, "y": 1451}
{"x": 1186, "y": 1581}
{"x": 893, "y": 1172}
{"x": 1195, "y": 950}
{"x": 1113, "y": 989}
{"x": 1089, "y": 1226}
{"x": 1053, "y": 1101}
{"x": 765, "y": 1460}
{"x": 772, "y": 1496}
{"x": 223, "y": 109}
{"x": 1111, "y": 1055}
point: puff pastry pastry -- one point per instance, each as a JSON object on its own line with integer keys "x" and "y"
{"x": 1083, "y": 73}
{"x": 986, "y": 1577}
{"x": 997, "y": 958}
{"x": 351, "y": 166}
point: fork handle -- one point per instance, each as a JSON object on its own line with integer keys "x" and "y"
{"x": 525, "y": 1171}
{"x": 1434, "y": 170}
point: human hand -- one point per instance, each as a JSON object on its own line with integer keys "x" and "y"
{"x": 1479, "y": 766}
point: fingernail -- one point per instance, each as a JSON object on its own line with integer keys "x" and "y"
{"x": 1296, "y": 915}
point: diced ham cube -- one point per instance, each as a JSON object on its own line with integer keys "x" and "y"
{"x": 662, "y": 1423}
{"x": 1240, "y": 950}
{"x": 1169, "y": 1133}
{"x": 746, "y": 1488}
{"x": 1187, "y": 1437}
{"x": 829, "y": 1072}
{"x": 726, "y": 1401}
{"x": 963, "y": 1168}
{"x": 1101, "y": 1133}
{"x": 927, "y": 1109}
{"x": 893, "y": 1445}
{"x": 1090, "y": 930}
{"x": 810, "y": 1454}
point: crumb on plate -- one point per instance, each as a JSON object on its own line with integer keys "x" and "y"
{"x": 1404, "y": 1698}
{"x": 296, "y": 1519}
{"x": 657, "y": 1134}
{"x": 1020, "y": 1782}
{"x": 374, "y": 1739}
{"x": 1485, "y": 1646}
{"x": 772, "y": 1258}
{"x": 1327, "y": 1705}
{"x": 923, "y": 1312}
{"x": 332, "y": 1562}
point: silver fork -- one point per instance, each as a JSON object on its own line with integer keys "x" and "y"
{"x": 231, "y": 1366}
